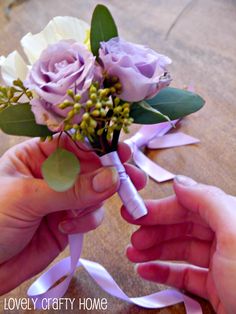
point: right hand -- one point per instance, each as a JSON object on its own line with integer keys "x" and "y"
{"x": 196, "y": 225}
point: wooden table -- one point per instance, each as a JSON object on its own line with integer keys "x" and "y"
{"x": 201, "y": 43}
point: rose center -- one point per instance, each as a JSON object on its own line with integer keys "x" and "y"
{"x": 60, "y": 65}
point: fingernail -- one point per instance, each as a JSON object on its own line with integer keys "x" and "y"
{"x": 105, "y": 179}
{"x": 66, "y": 226}
{"x": 185, "y": 180}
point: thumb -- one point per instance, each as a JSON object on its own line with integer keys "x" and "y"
{"x": 90, "y": 189}
{"x": 213, "y": 205}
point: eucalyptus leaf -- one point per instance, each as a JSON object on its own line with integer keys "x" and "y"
{"x": 145, "y": 105}
{"x": 171, "y": 102}
{"x": 60, "y": 170}
{"x": 103, "y": 27}
{"x": 20, "y": 120}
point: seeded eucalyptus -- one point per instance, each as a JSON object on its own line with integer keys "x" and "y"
{"x": 101, "y": 115}
{"x": 15, "y": 94}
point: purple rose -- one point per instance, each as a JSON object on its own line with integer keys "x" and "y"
{"x": 140, "y": 70}
{"x": 62, "y": 66}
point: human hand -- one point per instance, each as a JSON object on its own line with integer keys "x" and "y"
{"x": 34, "y": 219}
{"x": 197, "y": 225}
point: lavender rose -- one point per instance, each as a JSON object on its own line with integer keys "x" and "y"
{"x": 62, "y": 66}
{"x": 140, "y": 70}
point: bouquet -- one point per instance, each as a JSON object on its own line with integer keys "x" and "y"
{"x": 91, "y": 84}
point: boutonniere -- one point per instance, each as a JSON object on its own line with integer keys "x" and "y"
{"x": 92, "y": 84}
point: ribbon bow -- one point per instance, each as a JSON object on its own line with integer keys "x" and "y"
{"x": 154, "y": 137}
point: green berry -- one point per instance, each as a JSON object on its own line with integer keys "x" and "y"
{"x": 77, "y": 106}
{"x": 93, "y": 97}
{"x": 70, "y": 93}
{"x": 89, "y": 103}
{"x": 93, "y": 89}
{"x": 86, "y": 116}
{"x": 112, "y": 90}
{"x": 117, "y": 109}
{"x": 95, "y": 113}
{"x": 93, "y": 123}
{"x": 77, "y": 97}
{"x": 103, "y": 113}
{"x": 126, "y": 111}
{"x": 98, "y": 105}
{"x": 116, "y": 101}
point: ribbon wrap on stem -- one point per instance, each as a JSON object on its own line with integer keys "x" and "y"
{"x": 127, "y": 192}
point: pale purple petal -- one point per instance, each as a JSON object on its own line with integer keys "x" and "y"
{"x": 140, "y": 69}
{"x": 62, "y": 66}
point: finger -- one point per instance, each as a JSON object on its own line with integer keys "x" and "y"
{"x": 138, "y": 177}
{"x": 163, "y": 211}
{"x": 181, "y": 276}
{"x": 89, "y": 190}
{"x": 214, "y": 206}
{"x": 147, "y": 236}
{"x": 81, "y": 150}
{"x": 83, "y": 223}
{"x": 190, "y": 250}
{"x": 124, "y": 152}
{"x": 32, "y": 153}
{"x": 76, "y": 213}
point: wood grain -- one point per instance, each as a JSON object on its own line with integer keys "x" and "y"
{"x": 202, "y": 47}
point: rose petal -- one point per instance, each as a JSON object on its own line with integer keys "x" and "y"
{"x": 13, "y": 67}
{"x": 140, "y": 69}
{"x": 59, "y": 28}
{"x": 44, "y": 116}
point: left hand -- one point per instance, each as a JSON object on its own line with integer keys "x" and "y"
{"x": 34, "y": 219}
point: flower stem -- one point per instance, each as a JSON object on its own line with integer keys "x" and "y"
{"x": 115, "y": 140}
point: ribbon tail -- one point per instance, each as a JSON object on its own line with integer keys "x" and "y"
{"x": 39, "y": 290}
{"x": 149, "y": 131}
{"x": 156, "y": 300}
{"x": 42, "y": 289}
{"x": 191, "y": 306}
{"x": 172, "y": 140}
{"x": 156, "y": 172}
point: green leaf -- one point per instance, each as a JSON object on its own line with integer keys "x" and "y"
{"x": 171, "y": 102}
{"x": 60, "y": 170}
{"x": 155, "y": 113}
{"x": 103, "y": 27}
{"x": 19, "y": 120}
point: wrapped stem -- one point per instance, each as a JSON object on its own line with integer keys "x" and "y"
{"x": 127, "y": 191}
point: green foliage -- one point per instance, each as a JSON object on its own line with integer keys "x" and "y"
{"x": 103, "y": 28}
{"x": 60, "y": 170}
{"x": 19, "y": 120}
{"x": 170, "y": 102}
{"x": 12, "y": 95}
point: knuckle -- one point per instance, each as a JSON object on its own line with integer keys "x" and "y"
{"x": 80, "y": 193}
